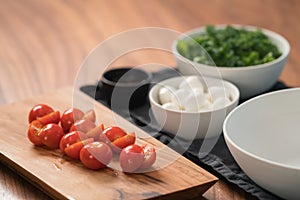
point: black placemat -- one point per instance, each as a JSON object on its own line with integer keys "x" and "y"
{"x": 218, "y": 161}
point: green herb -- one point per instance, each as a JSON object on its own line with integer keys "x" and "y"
{"x": 229, "y": 47}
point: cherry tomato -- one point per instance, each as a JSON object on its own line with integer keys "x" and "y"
{"x": 83, "y": 126}
{"x": 33, "y": 131}
{"x": 114, "y": 132}
{"x": 131, "y": 158}
{"x": 95, "y": 155}
{"x": 149, "y": 156}
{"x": 90, "y": 115}
{"x": 71, "y": 138}
{"x": 95, "y": 132}
{"x": 73, "y": 151}
{"x": 68, "y": 118}
{"x": 50, "y": 118}
{"x": 39, "y": 110}
{"x": 103, "y": 138}
{"x": 51, "y": 135}
{"x": 102, "y": 126}
{"x": 122, "y": 142}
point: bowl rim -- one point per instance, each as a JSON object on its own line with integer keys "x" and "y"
{"x": 112, "y": 83}
{"x": 271, "y": 34}
{"x": 163, "y": 82}
{"x": 249, "y": 154}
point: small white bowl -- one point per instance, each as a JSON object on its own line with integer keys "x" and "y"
{"x": 192, "y": 125}
{"x": 251, "y": 80}
{"x": 263, "y": 135}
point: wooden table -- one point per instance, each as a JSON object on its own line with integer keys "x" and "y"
{"x": 43, "y": 44}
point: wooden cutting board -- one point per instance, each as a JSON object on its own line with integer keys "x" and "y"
{"x": 64, "y": 178}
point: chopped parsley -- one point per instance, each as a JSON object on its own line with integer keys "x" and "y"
{"x": 229, "y": 47}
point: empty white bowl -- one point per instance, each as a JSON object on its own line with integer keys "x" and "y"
{"x": 251, "y": 80}
{"x": 197, "y": 124}
{"x": 263, "y": 135}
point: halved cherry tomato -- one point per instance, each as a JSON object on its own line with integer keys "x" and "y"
{"x": 73, "y": 151}
{"x": 95, "y": 155}
{"x": 83, "y": 125}
{"x": 95, "y": 132}
{"x": 103, "y": 138}
{"x": 118, "y": 138}
{"x": 90, "y": 115}
{"x": 39, "y": 110}
{"x": 50, "y": 118}
{"x": 51, "y": 135}
{"x": 71, "y": 138}
{"x": 33, "y": 131}
{"x": 114, "y": 132}
{"x": 82, "y": 141}
{"x": 102, "y": 126}
{"x": 122, "y": 142}
{"x": 131, "y": 158}
{"x": 149, "y": 156}
{"x": 68, "y": 118}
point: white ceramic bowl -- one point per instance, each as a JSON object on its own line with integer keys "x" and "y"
{"x": 192, "y": 125}
{"x": 251, "y": 80}
{"x": 263, "y": 135}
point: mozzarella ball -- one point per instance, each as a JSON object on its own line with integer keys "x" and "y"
{"x": 165, "y": 93}
{"x": 192, "y": 96}
{"x": 191, "y": 82}
{"x": 220, "y": 102}
{"x": 170, "y": 106}
{"x": 208, "y": 97}
{"x": 198, "y": 91}
{"x": 216, "y": 92}
{"x": 207, "y": 106}
{"x": 194, "y": 101}
{"x": 179, "y": 97}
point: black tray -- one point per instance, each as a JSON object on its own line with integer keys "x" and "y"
{"x": 218, "y": 161}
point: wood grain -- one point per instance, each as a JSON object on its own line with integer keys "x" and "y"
{"x": 171, "y": 174}
{"x": 43, "y": 44}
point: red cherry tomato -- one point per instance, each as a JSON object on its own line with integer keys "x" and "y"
{"x": 149, "y": 156}
{"x": 131, "y": 158}
{"x": 122, "y": 142}
{"x": 83, "y": 126}
{"x": 103, "y": 138}
{"x": 95, "y": 132}
{"x": 70, "y": 116}
{"x": 33, "y": 131}
{"x": 39, "y": 110}
{"x": 90, "y": 115}
{"x": 114, "y": 132}
{"x": 73, "y": 151}
{"x": 50, "y": 118}
{"x": 71, "y": 138}
{"x": 95, "y": 155}
{"x": 51, "y": 135}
